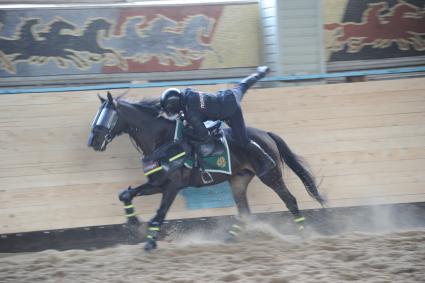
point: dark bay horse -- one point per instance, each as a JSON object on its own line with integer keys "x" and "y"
{"x": 143, "y": 122}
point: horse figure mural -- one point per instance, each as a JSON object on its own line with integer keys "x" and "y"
{"x": 12, "y": 48}
{"x": 171, "y": 163}
{"x": 171, "y": 42}
{"x": 60, "y": 41}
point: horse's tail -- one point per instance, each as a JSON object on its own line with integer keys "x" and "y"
{"x": 295, "y": 163}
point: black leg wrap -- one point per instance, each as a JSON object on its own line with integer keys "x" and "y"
{"x": 152, "y": 236}
{"x": 234, "y": 232}
{"x": 153, "y": 232}
{"x": 133, "y": 224}
{"x": 300, "y": 222}
{"x": 126, "y": 197}
{"x": 131, "y": 214}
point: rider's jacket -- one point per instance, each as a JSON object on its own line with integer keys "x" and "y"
{"x": 199, "y": 107}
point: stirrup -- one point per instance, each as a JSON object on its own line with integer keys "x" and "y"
{"x": 206, "y": 177}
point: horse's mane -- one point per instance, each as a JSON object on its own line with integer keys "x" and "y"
{"x": 151, "y": 103}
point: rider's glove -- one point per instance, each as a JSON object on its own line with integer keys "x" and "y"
{"x": 262, "y": 71}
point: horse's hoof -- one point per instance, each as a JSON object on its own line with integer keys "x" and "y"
{"x": 231, "y": 239}
{"x": 134, "y": 236}
{"x": 150, "y": 245}
{"x": 133, "y": 221}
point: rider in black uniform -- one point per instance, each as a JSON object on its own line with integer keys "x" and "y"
{"x": 224, "y": 105}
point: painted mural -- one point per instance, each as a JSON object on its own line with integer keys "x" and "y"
{"x": 368, "y": 29}
{"x": 90, "y": 41}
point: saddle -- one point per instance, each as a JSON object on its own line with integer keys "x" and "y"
{"x": 214, "y": 146}
{"x": 211, "y": 157}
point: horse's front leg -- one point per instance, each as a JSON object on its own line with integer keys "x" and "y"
{"x": 168, "y": 197}
{"x": 127, "y": 196}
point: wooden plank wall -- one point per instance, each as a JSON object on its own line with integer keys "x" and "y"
{"x": 365, "y": 141}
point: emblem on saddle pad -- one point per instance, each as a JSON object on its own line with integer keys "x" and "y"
{"x": 221, "y": 162}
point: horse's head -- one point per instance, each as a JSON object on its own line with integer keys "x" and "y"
{"x": 132, "y": 24}
{"x": 27, "y": 24}
{"x": 161, "y": 23}
{"x": 202, "y": 24}
{"x": 100, "y": 25}
{"x": 106, "y": 125}
{"x": 142, "y": 121}
{"x": 30, "y": 22}
{"x": 59, "y": 25}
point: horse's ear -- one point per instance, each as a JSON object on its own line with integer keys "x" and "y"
{"x": 101, "y": 98}
{"x": 110, "y": 98}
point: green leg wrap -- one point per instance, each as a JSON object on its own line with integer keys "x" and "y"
{"x": 130, "y": 213}
{"x": 153, "y": 232}
{"x": 300, "y": 222}
{"x": 235, "y": 230}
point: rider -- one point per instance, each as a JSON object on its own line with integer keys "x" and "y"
{"x": 224, "y": 105}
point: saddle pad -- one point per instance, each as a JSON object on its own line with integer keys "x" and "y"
{"x": 220, "y": 163}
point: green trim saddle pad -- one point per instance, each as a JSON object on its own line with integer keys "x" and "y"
{"x": 220, "y": 163}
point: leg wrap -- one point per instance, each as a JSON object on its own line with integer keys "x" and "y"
{"x": 300, "y": 222}
{"x": 235, "y": 230}
{"x": 129, "y": 210}
{"x": 153, "y": 232}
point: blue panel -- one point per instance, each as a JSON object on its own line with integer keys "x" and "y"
{"x": 212, "y": 82}
{"x": 216, "y": 196}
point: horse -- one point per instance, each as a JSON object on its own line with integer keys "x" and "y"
{"x": 88, "y": 42}
{"x": 14, "y": 48}
{"x": 168, "y": 40}
{"x": 48, "y": 46}
{"x": 149, "y": 130}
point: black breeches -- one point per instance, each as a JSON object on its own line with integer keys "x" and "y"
{"x": 237, "y": 123}
{"x": 239, "y": 92}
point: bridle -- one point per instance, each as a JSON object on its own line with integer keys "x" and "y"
{"x": 105, "y": 121}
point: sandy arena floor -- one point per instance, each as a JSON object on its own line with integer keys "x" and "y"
{"x": 265, "y": 257}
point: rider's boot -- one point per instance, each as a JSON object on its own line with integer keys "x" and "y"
{"x": 252, "y": 79}
{"x": 266, "y": 163}
{"x": 249, "y": 81}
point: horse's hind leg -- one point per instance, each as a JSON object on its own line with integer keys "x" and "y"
{"x": 274, "y": 180}
{"x": 239, "y": 184}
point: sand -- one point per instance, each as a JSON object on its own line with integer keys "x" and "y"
{"x": 265, "y": 256}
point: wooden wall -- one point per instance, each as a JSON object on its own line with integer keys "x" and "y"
{"x": 365, "y": 141}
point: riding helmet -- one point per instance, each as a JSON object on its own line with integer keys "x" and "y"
{"x": 171, "y": 100}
